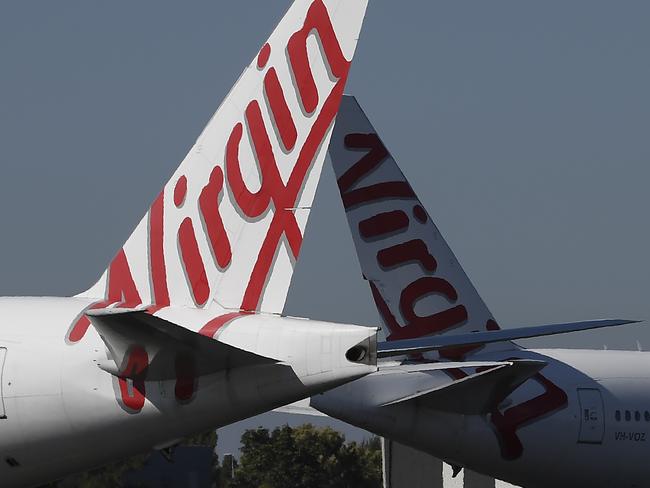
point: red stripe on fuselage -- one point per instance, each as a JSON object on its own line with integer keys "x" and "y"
{"x": 212, "y": 327}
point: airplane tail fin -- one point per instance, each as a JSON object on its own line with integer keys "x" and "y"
{"x": 227, "y": 227}
{"x": 418, "y": 285}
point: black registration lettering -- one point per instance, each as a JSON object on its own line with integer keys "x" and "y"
{"x": 630, "y": 436}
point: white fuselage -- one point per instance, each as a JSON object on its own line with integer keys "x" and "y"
{"x": 583, "y": 421}
{"x": 62, "y": 413}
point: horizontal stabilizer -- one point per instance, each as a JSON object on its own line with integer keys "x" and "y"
{"x": 445, "y": 365}
{"x": 437, "y": 342}
{"x": 301, "y": 407}
{"x": 168, "y": 347}
{"x": 477, "y": 393}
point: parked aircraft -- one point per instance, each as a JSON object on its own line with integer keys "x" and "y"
{"x": 182, "y": 333}
{"x": 533, "y": 417}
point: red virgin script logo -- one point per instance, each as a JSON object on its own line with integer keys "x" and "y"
{"x": 411, "y": 251}
{"x": 388, "y": 223}
{"x": 272, "y": 196}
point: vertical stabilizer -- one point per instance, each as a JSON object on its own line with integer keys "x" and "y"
{"x": 418, "y": 284}
{"x": 227, "y": 228}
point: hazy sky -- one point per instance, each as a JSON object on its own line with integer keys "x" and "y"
{"x": 524, "y": 127}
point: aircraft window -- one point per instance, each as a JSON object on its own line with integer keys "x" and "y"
{"x": 637, "y": 416}
{"x": 617, "y": 415}
{"x": 647, "y": 416}
{"x": 628, "y": 416}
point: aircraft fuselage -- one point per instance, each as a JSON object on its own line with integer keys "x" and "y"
{"x": 62, "y": 413}
{"x": 584, "y": 420}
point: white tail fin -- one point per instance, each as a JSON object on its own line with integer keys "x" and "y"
{"x": 228, "y": 226}
{"x": 418, "y": 285}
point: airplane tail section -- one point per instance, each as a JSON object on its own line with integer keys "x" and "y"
{"x": 129, "y": 333}
{"x": 227, "y": 228}
{"x": 418, "y": 285}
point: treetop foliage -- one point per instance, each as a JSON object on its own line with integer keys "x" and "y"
{"x": 306, "y": 457}
{"x": 286, "y": 457}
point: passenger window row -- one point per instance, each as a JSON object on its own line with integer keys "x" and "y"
{"x": 628, "y": 416}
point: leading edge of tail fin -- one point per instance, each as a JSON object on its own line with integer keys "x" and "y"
{"x": 227, "y": 227}
{"x": 417, "y": 283}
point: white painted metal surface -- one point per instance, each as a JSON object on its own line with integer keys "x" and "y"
{"x": 3, "y": 356}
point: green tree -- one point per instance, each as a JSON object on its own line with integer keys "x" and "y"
{"x": 306, "y": 457}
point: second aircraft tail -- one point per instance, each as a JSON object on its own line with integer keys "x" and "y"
{"x": 417, "y": 283}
